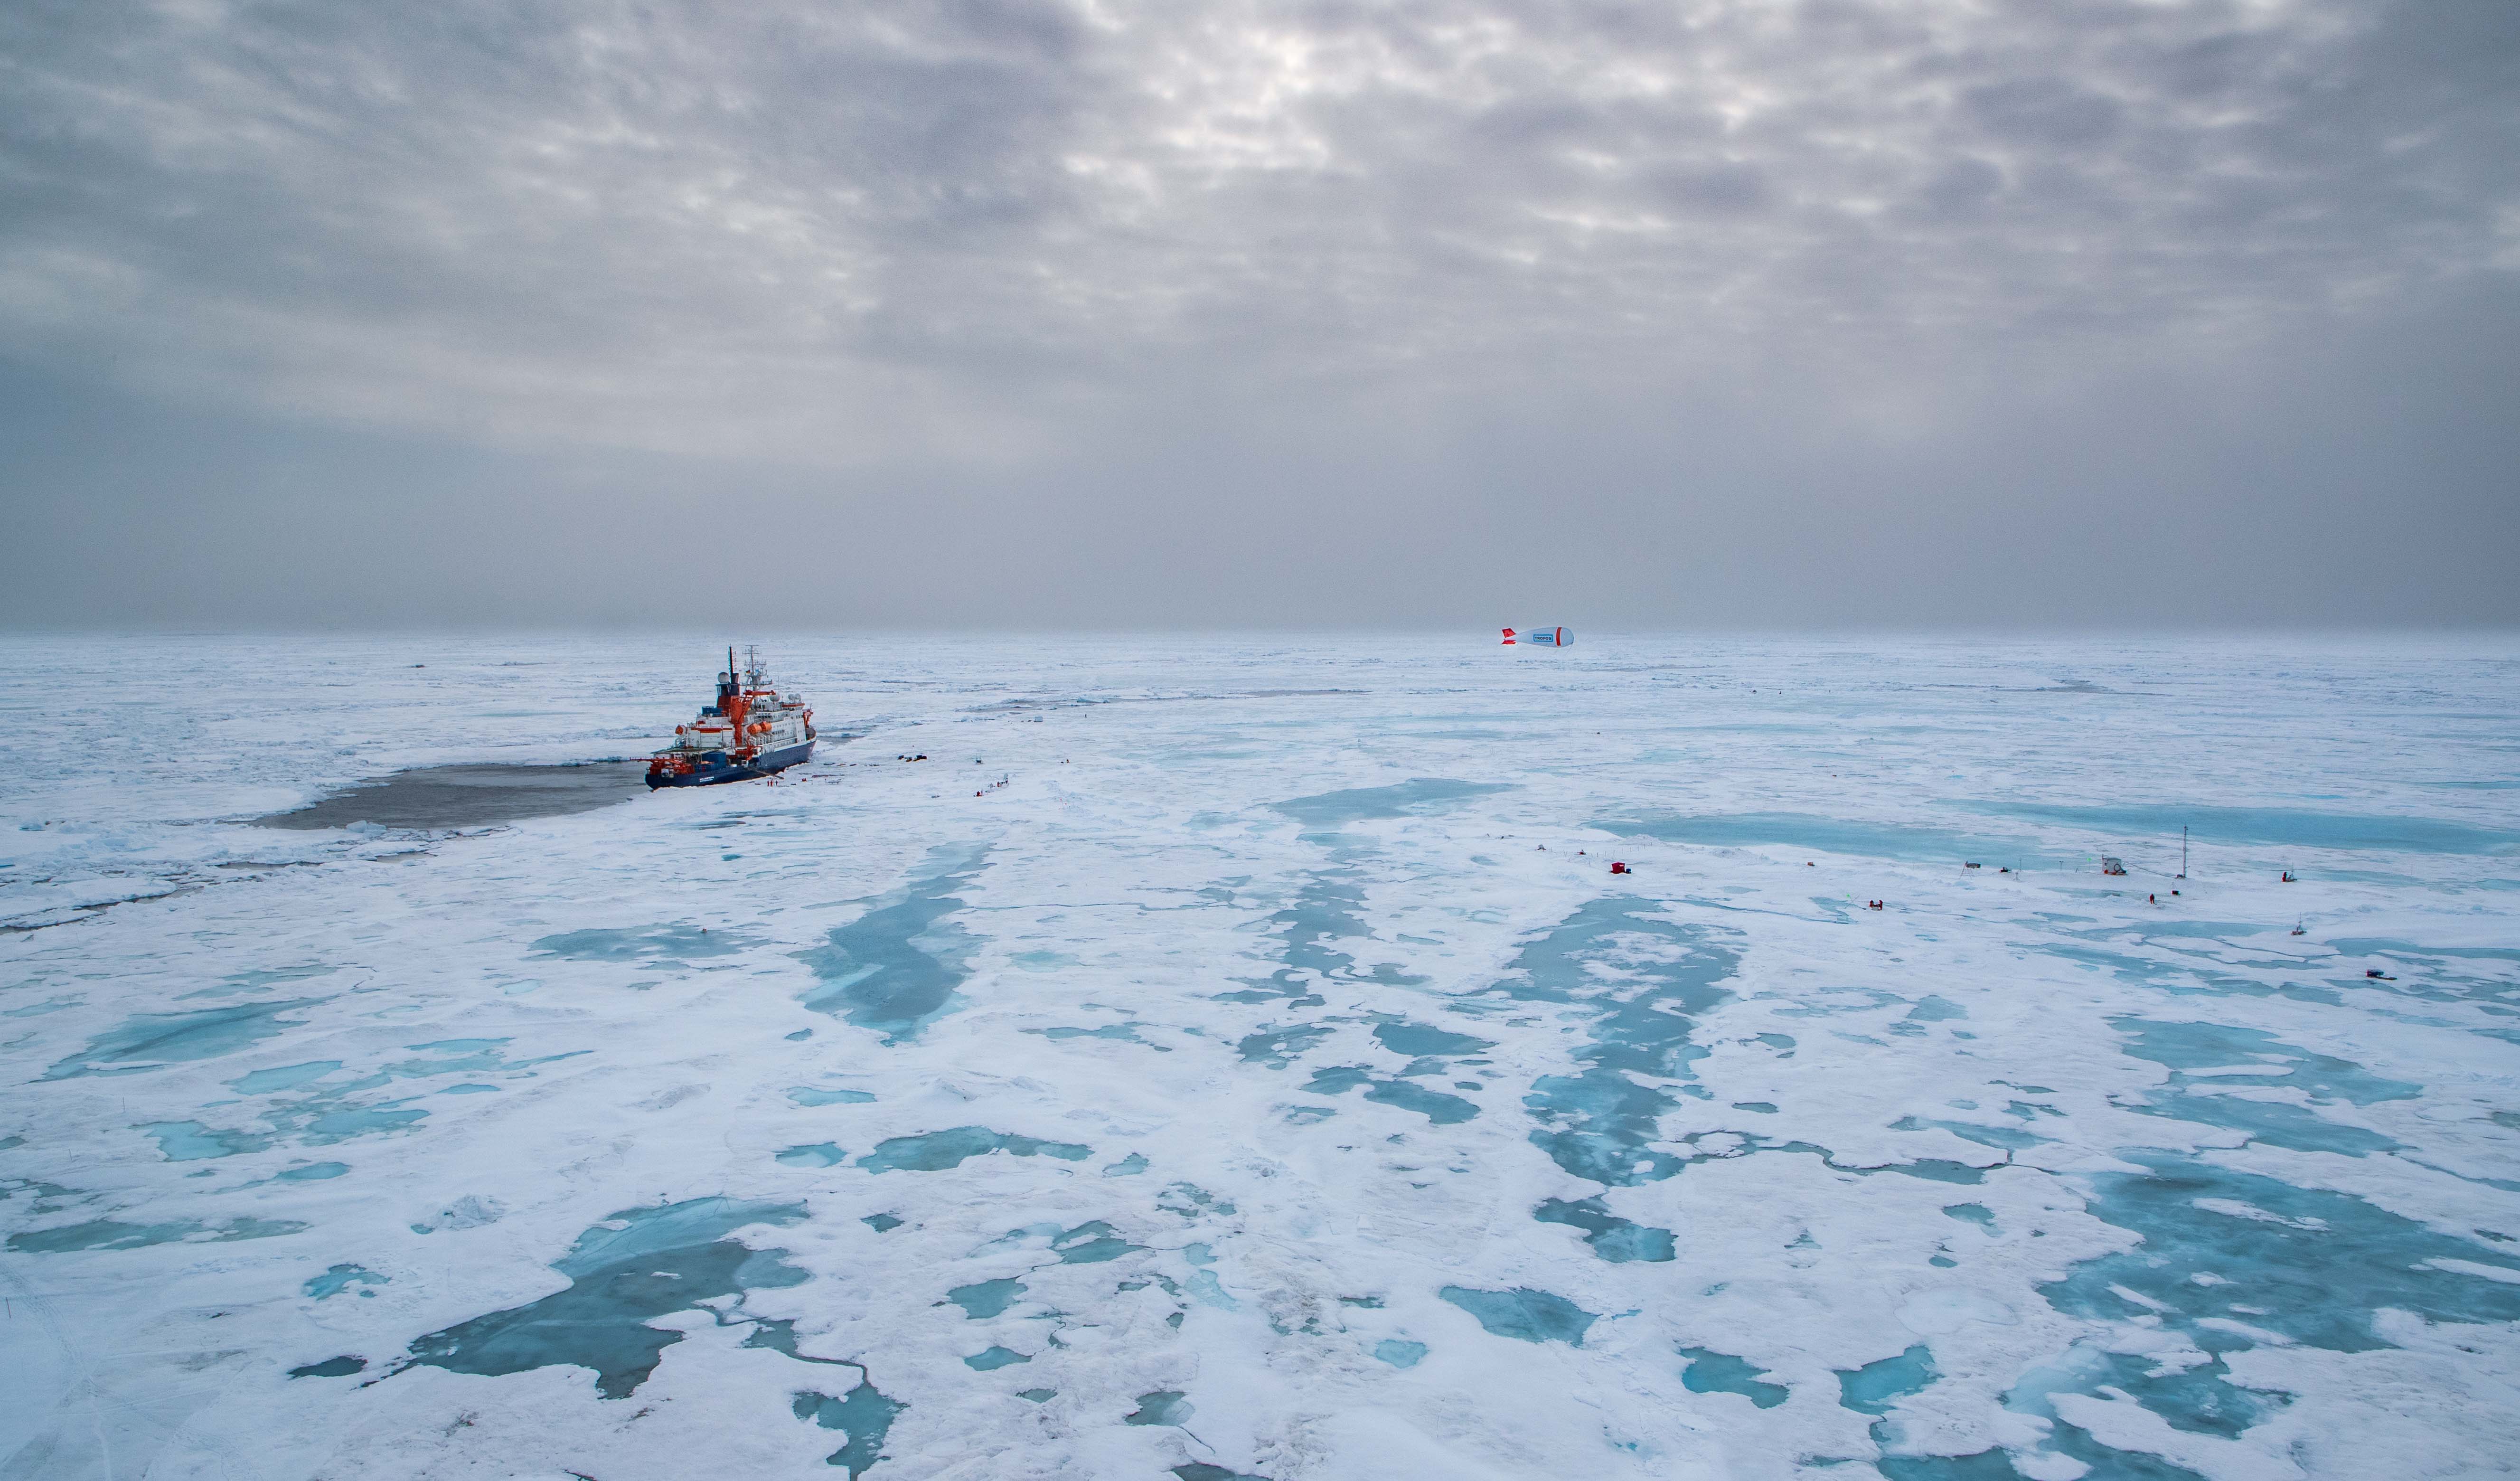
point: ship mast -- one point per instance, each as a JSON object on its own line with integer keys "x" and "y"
{"x": 731, "y": 702}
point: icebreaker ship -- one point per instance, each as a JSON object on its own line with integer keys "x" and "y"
{"x": 751, "y": 731}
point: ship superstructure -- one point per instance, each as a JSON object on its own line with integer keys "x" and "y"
{"x": 751, "y": 731}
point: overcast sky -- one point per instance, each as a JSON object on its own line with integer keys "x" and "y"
{"x": 1108, "y": 314}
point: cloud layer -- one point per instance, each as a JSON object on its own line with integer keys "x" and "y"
{"x": 1113, "y": 260}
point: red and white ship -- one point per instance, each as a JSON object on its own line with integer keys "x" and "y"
{"x": 751, "y": 731}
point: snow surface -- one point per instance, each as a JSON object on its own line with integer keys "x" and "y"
{"x": 1234, "y": 1057}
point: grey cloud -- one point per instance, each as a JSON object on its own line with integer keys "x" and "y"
{"x": 2045, "y": 113}
{"x": 1089, "y": 265}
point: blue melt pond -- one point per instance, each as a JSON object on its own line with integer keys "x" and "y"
{"x": 864, "y": 1416}
{"x": 1644, "y": 979}
{"x": 2271, "y": 1061}
{"x": 2313, "y": 1265}
{"x": 1523, "y": 1313}
{"x": 1276, "y": 1046}
{"x": 894, "y": 969}
{"x": 1873, "y": 1388}
{"x": 1713, "y": 1372}
{"x": 1615, "y": 1239}
{"x": 1823, "y": 835}
{"x": 983, "y": 1299}
{"x": 1419, "y": 1040}
{"x": 192, "y": 1142}
{"x": 150, "y": 1040}
{"x": 635, "y": 1266}
{"x": 675, "y": 943}
{"x": 1324, "y": 911}
{"x": 263, "y": 1082}
{"x": 342, "y": 1277}
{"x": 1090, "y": 1244}
{"x": 113, "y": 1233}
{"x": 2292, "y": 828}
{"x": 1328, "y": 809}
{"x": 937, "y": 1151}
{"x": 1399, "y": 1352}
{"x": 1436, "y": 1106}
{"x": 1165, "y": 1406}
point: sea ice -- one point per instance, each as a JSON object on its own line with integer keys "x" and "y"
{"x": 1262, "y": 1076}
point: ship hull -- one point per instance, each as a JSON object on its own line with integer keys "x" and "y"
{"x": 707, "y": 775}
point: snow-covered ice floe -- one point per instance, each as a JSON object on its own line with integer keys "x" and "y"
{"x": 1234, "y": 1059}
